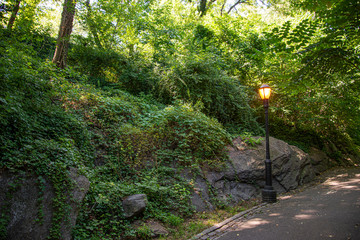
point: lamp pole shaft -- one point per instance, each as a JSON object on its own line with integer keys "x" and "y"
{"x": 268, "y": 174}
{"x": 268, "y": 193}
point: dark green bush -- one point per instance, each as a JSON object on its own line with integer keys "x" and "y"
{"x": 300, "y": 137}
{"x": 189, "y": 136}
{"x": 107, "y": 68}
{"x": 29, "y": 115}
{"x": 36, "y": 134}
{"x": 199, "y": 79}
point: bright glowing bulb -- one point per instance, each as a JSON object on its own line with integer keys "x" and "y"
{"x": 265, "y": 91}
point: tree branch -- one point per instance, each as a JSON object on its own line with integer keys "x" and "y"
{"x": 238, "y": 2}
{"x": 222, "y": 8}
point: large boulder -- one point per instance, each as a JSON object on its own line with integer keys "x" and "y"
{"x": 291, "y": 166}
{"x": 27, "y": 205}
{"x": 243, "y": 177}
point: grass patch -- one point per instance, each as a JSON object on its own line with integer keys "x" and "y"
{"x": 203, "y": 220}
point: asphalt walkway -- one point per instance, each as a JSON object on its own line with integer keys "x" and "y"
{"x": 329, "y": 210}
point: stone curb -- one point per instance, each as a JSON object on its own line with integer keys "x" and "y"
{"x": 211, "y": 231}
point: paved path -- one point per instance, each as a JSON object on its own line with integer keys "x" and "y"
{"x": 330, "y": 210}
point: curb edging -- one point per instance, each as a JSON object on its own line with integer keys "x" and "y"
{"x": 211, "y": 232}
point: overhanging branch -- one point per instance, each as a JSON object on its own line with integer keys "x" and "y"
{"x": 237, "y": 3}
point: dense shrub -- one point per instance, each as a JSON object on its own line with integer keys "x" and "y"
{"x": 30, "y": 116}
{"x": 36, "y": 135}
{"x": 102, "y": 215}
{"x": 189, "y": 136}
{"x": 199, "y": 79}
{"x": 107, "y": 68}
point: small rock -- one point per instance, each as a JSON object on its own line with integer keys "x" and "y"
{"x": 155, "y": 228}
{"x": 134, "y": 205}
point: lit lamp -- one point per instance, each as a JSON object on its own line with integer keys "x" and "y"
{"x": 268, "y": 193}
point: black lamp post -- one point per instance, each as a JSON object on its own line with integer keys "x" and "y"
{"x": 268, "y": 193}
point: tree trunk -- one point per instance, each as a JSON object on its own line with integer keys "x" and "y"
{"x": 66, "y": 25}
{"x": 14, "y": 12}
{"x": 91, "y": 24}
{"x": 202, "y": 7}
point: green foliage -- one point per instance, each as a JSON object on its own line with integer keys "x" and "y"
{"x": 36, "y": 135}
{"x": 314, "y": 69}
{"x": 65, "y": 121}
{"x": 302, "y": 137}
{"x": 165, "y": 192}
{"x": 144, "y": 232}
{"x": 290, "y": 39}
{"x": 199, "y": 79}
{"x": 172, "y": 219}
{"x": 25, "y": 122}
{"x": 107, "y": 68}
{"x": 189, "y": 136}
{"x": 248, "y": 138}
{"x": 140, "y": 141}
{"x": 153, "y": 89}
{"x": 102, "y": 212}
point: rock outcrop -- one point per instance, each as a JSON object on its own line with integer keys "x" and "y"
{"x": 23, "y": 199}
{"x": 244, "y": 175}
{"x": 27, "y": 205}
{"x": 319, "y": 160}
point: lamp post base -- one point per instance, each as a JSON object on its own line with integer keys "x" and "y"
{"x": 268, "y": 195}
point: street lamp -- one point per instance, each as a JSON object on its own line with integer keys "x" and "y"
{"x": 268, "y": 193}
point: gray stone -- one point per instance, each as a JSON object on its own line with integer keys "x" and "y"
{"x": 200, "y": 198}
{"x": 200, "y": 203}
{"x": 320, "y": 161}
{"x": 81, "y": 187}
{"x": 155, "y": 228}
{"x": 242, "y": 191}
{"x": 134, "y": 205}
{"x": 213, "y": 177}
{"x": 21, "y": 201}
{"x": 290, "y": 165}
{"x": 244, "y": 176}
{"x": 232, "y": 192}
